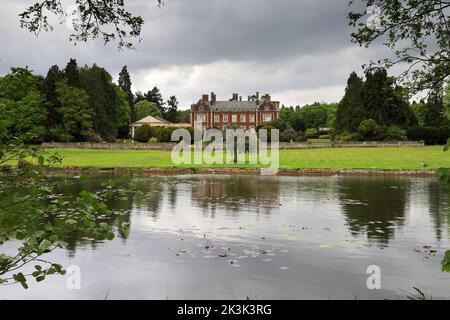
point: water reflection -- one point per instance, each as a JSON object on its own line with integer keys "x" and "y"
{"x": 375, "y": 207}
{"x": 288, "y": 237}
{"x": 235, "y": 193}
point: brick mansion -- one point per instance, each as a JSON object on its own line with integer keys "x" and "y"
{"x": 209, "y": 112}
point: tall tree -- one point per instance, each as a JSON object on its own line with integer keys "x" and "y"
{"x": 48, "y": 89}
{"x": 172, "y": 110}
{"x": 418, "y": 32}
{"x": 125, "y": 85}
{"x": 146, "y": 108}
{"x": 155, "y": 96}
{"x": 23, "y": 106}
{"x": 72, "y": 73}
{"x": 97, "y": 82}
{"x": 350, "y": 110}
{"x": 75, "y": 113}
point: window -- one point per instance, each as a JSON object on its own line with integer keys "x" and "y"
{"x": 200, "y": 108}
{"x": 216, "y": 118}
{"x": 243, "y": 117}
{"x": 252, "y": 118}
{"x": 200, "y": 118}
{"x": 234, "y": 118}
{"x": 267, "y": 118}
{"x": 225, "y": 118}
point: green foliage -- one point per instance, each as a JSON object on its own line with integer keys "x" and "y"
{"x": 104, "y": 100}
{"x": 145, "y": 108}
{"x": 312, "y": 133}
{"x": 172, "y": 110}
{"x": 300, "y": 137}
{"x": 376, "y": 98}
{"x": 143, "y": 133}
{"x": 155, "y": 96}
{"x": 446, "y": 262}
{"x": 75, "y": 113}
{"x": 288, "y": 135}
{"x": 430, "y": 135}
{"x": 325, "y": 137}
{"x": 107, "y": 19}
{"x": 125, "y": 85}
{"x": 348, "y": 136}
{"x": 39, "y": 217}
{"x": 350, "y": 111}
{"x": 183, "y": 116}
{"x": 369, "y": 130}
{"x": 23, "y": 111}
{"x": 446, "y": 101}
{"x": 393, "y": 133}
{"x": 418, "y": 31}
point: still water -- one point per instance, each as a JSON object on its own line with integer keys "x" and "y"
{"x": 233, "y": 237}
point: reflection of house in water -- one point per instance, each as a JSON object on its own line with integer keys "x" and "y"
{"x": 235, "y": 193}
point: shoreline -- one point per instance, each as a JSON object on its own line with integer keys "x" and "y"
{"x": 241, "y": 171}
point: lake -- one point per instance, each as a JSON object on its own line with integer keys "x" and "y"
{"x": 238, "y": 237}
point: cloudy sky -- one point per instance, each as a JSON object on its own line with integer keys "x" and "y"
{"x": 297, "y": 50}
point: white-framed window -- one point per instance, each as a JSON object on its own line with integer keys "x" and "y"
{"x": 225, "y": 118}
{"x": 243, "y": 117}
{"x": 251, "y": 118}
{"x": 216, "y": 118}
{"x": 234, "y": 118}
{"x": 201, "y": 118}
{"x": 267, "y": 117}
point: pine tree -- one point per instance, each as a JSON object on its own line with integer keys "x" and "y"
{"x": 172, "y": 110}
{"x": 72, "y": 74}
{"x": 155, "y": 96}
{"x": 51, "y": 99}
{"x": 125, "y": 85}
{"x": 350, "y": 110}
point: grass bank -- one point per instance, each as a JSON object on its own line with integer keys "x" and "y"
{"x": 404, "y": 158}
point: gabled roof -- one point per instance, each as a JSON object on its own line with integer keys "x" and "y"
{"x": 151, "y": 120}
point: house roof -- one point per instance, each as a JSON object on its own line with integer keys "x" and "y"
{"x": 151, "y": 120}
{"x": 236, "y": 105}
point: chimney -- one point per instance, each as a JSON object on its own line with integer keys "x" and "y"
{"x": 257, "y": 95}
{"x": 235, "y": 96}
{"x": 213, "y": 97}
{"x": 267, "y": 96}
{"x": 249, "y": 99}
{"x": 205, "y": 97}
{"x": 240, "y": 98}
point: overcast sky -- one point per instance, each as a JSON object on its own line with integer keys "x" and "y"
{"x": 297, "y": 50}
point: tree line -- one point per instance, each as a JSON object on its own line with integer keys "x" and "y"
{"x": 373, "y": 108}
{"x": 76, "y": 104}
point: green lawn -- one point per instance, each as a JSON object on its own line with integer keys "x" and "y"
{"x": 333, "y": 158}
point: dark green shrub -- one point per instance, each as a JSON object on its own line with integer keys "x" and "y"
{"x": 393, "y": 133}
{"x": 288, "y": 135}
{"x": 143, "y": 133}
{"x": 369, "y": 130}
{"x": 301, "y": 137}
{"x": 430, "y": 135}
{"x": 311, "y": 133}
{"x": 348, "y": 136}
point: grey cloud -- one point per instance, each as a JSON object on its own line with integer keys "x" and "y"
{"x": 293, "y": 48}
